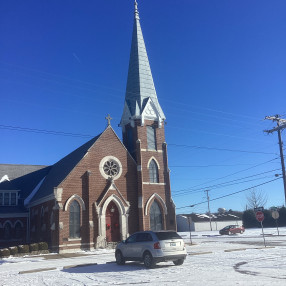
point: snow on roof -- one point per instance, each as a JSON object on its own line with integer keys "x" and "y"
{"x": 202, "y": 215}
{"x": 4, "y": 178}
{"x": 233, "y": 215}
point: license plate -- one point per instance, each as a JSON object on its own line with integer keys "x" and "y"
{"x": 172, "y": 243}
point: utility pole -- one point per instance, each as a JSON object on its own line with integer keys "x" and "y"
{"x": 281, "y": 124}
{"x": 208, "y": 198}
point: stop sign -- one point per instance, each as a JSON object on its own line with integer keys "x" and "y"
{"x": 259, "y": 216}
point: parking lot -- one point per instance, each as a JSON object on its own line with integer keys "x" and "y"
{"x": 212, "y": 260}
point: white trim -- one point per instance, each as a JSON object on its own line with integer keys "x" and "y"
{"x": 156, "y": 196}
{"x": 78, "y": 199}
{"x": 102, "y": 162}
{"x": 159, "y": 184}
{"x": 74, "y": 239}
{"x": 151, "y": 150}
{"x": 153, "y": 158}
{"x": 58, "y": 192}
{"x": 123, "y": 218}
{"x": 28, "y": 199}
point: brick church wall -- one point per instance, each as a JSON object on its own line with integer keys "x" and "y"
{"x": 91, "y": 188}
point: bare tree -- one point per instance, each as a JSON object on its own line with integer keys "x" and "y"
{"x": 256, "y": 199}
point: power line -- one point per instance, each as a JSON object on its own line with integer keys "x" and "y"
{"x": 43, "y": 131}
{"x": 207, "y": 166}
{"x": 223, "y": 185}
{"x": 57, "y": 77}
{"x": 218, "y": 149}
{"x": 210, "y": 181}
{"x": 53, "y": 132}
{"x": 230, "y": 194}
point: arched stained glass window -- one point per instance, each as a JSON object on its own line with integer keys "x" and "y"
{"x": 74, "y": 220}
{"x": 155, "y": 217}
{"x": 153, "y": 172}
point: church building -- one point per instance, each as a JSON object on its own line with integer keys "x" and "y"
{"x": 104, "y": 190}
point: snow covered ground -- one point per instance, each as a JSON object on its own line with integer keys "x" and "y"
{"x": 212, "y": 260}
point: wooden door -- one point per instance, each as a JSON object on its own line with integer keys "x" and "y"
{"x": 112, "y": 223}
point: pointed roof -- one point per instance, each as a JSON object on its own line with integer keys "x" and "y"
{"x": 60, "y": 170}
{"x": 140, "y": 85}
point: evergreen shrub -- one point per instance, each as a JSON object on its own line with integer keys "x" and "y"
{"x": 43, "y": 246}
{"x": 34, "y": 247}
{"x": 13, "y": 250}
{"x": 23, "y": 248}
{"x": 5, "y": 252}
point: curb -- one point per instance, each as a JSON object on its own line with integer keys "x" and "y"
{"x": 37, "y": 270}
{"x": 79, "y": 265}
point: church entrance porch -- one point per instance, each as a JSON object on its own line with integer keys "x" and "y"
{"x": 112, "y": 223}
{"x": 112, "y": 220}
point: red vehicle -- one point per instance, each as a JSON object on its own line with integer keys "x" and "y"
{"x": 232, "y": 229}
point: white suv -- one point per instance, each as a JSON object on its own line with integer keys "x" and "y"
{"x": 151, "y": 247}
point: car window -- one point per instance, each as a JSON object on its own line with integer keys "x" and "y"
{"x": 144, "y": 237}
{"x": 167, "y": 235}
{"x": 131, "y": 239}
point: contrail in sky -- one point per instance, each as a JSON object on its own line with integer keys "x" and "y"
{"x": 76, "y": 57}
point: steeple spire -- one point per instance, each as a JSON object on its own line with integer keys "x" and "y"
{"x": 136, "y": 13}
{"x": 140, "y": 89}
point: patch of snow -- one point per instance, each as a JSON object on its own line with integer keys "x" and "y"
{"x": 4, "y": 178}
{"x": 233, "y": 215}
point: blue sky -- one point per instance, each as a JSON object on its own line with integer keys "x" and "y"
{"x": 219, "y": 68}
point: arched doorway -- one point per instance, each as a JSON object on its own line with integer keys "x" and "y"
{"x": 155, "y": 217}
{"x": 112, "y": 223}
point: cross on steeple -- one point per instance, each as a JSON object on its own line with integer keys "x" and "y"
{"x": 108, "y": 118}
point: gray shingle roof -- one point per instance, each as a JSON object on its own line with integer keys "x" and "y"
{"x": 60, "y": 170}
{"x": 22, "y": 177}
{"x": 17, "y": 170}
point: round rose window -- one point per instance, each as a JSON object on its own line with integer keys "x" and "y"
{"x": 111, "y": 168}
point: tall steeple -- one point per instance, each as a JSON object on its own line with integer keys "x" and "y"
{"x": 141, "y": 100}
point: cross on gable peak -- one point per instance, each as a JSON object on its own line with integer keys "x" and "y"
{"x": 108, "y": 118}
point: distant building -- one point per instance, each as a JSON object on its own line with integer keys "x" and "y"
{"x": 104, "y": 190}
{"x": 201, "y": 222}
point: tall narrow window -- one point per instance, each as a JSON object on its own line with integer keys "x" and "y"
{"x": 6, "y": 199}
{"x": 13, "y": 199}
{"x": 7, "y": 231}
{"x": 1, "y": 199}
{"x": 151, "y": 137}
{"x": 155, "y": 217}
{"x": 74, "y": 220}
{"x": 153, "y": 172}
{"x": 18, "y": 230}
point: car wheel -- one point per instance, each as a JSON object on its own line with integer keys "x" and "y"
{"x": 178, "y": 262}
{"x": 229, "y": 233}
{"x": 119, "y": 258}
{"x": 241, "y": 232}
{"x": 148, "y": 260}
